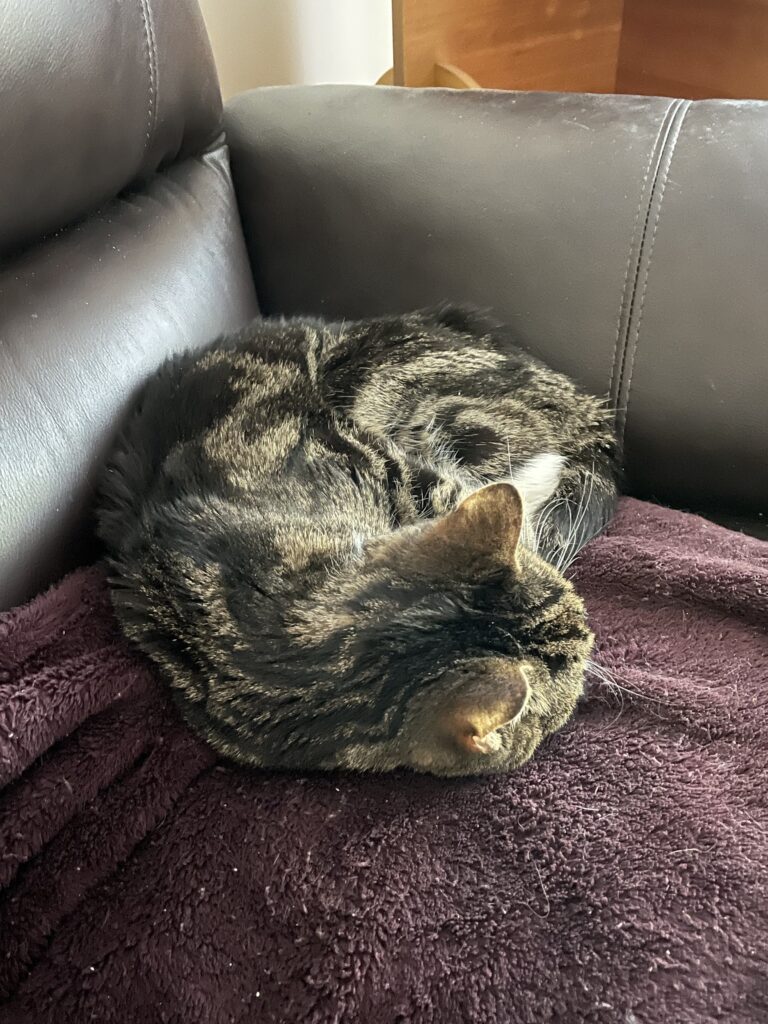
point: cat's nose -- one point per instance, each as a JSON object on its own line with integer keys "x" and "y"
{"x": 495, "y": 695}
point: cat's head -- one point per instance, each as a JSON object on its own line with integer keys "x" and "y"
{"x": 454, "y": 649}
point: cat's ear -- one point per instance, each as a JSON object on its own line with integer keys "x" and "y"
{"x": 484, "y": 529}
{"x": 474, "y": 715}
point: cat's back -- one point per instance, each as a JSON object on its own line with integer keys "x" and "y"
{"x": 210, "y": 423}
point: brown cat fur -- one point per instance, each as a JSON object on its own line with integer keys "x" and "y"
{"x": 343, "y": 544}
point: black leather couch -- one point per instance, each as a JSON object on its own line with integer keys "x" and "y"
{"x": 626, "y": 239}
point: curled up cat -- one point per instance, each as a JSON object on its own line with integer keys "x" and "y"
{"x": 343, "y": 544}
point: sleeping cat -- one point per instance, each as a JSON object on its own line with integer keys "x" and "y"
{"x": 343, "y": 543}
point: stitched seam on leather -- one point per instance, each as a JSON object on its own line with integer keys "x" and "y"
{"x": 620, "y": 418}
{"x": 670, "y": 147}
{"x": 143, "y": 5}
{"x": 635, "y": 253}
{"x": 622, "y": 304}
{"x": 155, "y": 64}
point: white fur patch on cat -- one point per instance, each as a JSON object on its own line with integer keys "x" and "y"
{"x": 537, "y": 480}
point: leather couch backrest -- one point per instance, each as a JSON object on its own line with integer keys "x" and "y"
{"x": 119, "y": 240}
{"x": 625, "y": 239}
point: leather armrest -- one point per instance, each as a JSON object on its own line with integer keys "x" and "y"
{"x": 626, "y": 239}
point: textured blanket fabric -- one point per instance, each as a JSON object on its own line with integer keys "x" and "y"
{"x": 622, "y": 876}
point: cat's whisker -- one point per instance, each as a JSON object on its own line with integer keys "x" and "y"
{"x": 574, "y": 545}
{"x": 536, "y": 541}
{"x": 541, "y": 520}
{"x": 605, "y": 676}
{"x": 560, "y": 562}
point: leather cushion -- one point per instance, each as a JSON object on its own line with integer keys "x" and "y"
{"x": 94, "y": 96}
{"x": 84, "y": 319}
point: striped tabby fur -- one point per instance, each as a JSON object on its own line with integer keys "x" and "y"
{"x": 343, "y": 544}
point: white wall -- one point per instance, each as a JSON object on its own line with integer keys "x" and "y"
{"x": 279, "y": 42}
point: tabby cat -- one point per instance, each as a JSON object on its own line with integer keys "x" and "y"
{"x": 344, "y": 543}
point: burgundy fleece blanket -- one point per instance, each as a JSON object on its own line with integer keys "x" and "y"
{"x": 621, "y": 876}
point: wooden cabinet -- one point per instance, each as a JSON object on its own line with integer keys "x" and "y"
{"x": 694, "y": 48}
{"x": 688, "y": 48}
